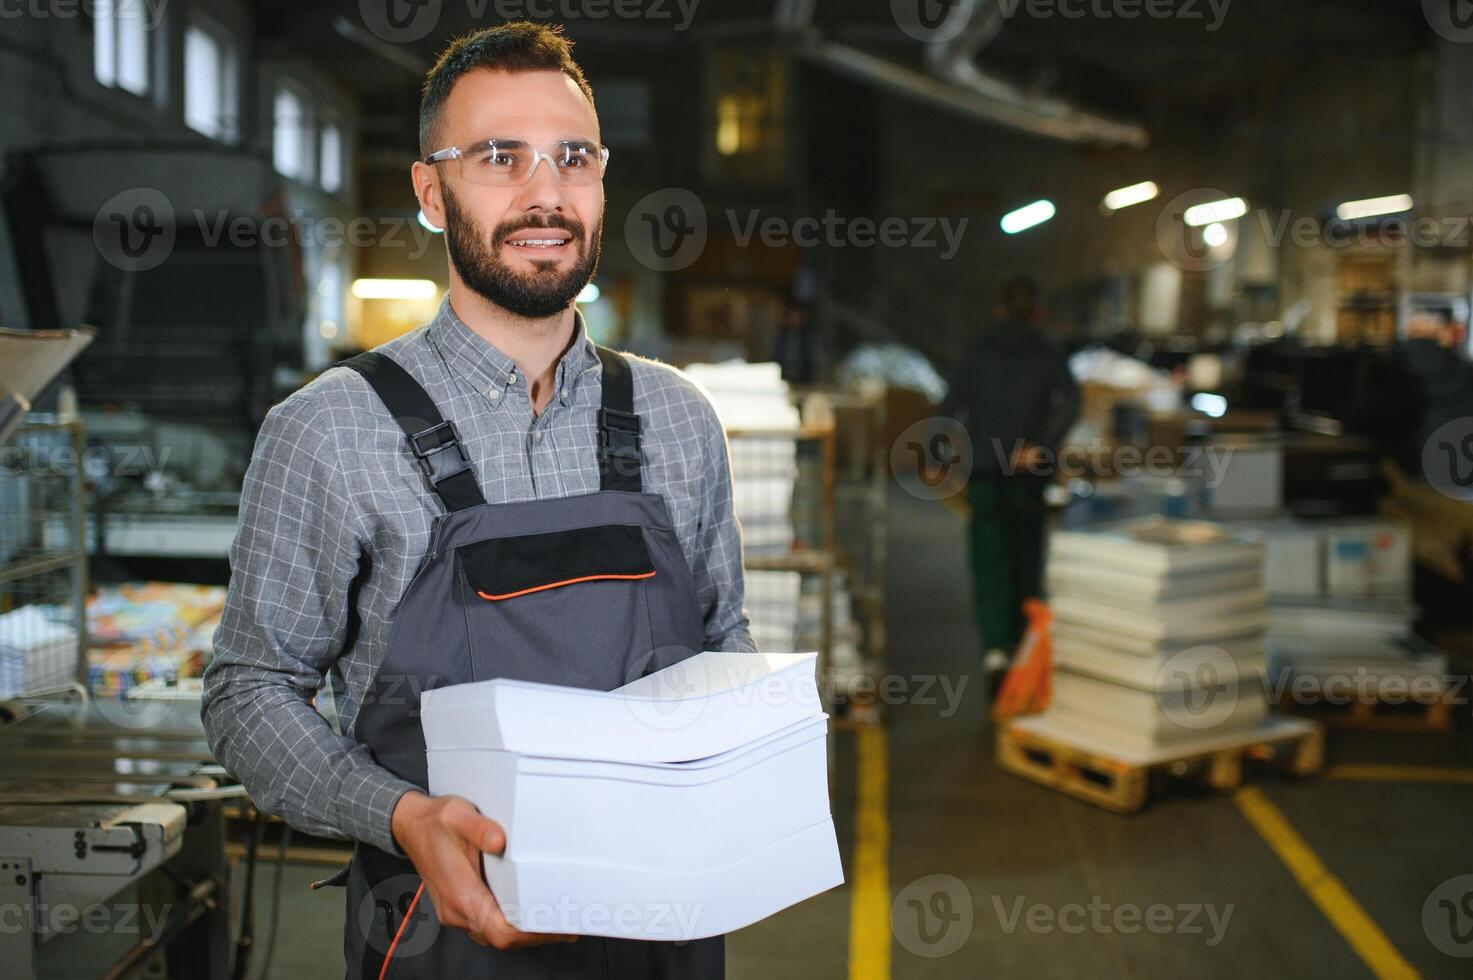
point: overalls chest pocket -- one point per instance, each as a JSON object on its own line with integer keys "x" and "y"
{"x": 565, "y": 607}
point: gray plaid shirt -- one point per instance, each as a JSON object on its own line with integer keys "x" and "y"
{"x": 335, "y": 518}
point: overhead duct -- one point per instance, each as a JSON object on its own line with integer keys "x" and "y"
{"x": 956, "y": 83}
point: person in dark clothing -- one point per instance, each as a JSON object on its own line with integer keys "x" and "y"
{"x": 1013, "y": 393}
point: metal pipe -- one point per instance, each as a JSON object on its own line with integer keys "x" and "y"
{"x": 956, "y": 82}
{"x": 1047, "y": 118}
{"x": 202, "y": 898}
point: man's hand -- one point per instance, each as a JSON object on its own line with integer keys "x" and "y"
{"x": 445, "y": 836}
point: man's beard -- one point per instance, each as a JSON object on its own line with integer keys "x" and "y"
{"x": 537, "y": 294}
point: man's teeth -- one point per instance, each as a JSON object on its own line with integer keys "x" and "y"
{"x": 539, "y": 242}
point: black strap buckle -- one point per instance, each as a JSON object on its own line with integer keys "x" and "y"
{"x": 619, "y": 442}
{"x": 618, "y": 430}
{"x": 433, "y": 460}
{"x": 610, "y": 419}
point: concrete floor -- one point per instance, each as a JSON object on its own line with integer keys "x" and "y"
{"x": 1053, "y": 883}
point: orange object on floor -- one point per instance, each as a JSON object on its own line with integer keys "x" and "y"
{"x": 1025, "y": 689}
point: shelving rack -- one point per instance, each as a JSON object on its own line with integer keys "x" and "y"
{"x": 43, "y": 559}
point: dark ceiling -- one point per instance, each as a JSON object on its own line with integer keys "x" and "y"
{"x": 1144, "y": 68}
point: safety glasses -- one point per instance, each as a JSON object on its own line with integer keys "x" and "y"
{"x": 509, "y": 162}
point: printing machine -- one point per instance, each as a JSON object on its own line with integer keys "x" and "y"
{"x": 111, "y": 841}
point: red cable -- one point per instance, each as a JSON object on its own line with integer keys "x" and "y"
{"x": 400, "y": 933}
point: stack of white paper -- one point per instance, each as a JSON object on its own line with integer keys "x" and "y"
{"x": 1158, "y": 631}
{"x": 689, "y": 803}
{"x": 36, "y": 652}
{"x": 753, "y": 401}
{"x": 772, "y": 604}
{"x": 747, "y": 396}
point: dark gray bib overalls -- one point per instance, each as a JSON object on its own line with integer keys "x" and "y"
{"x": 590, "y": 591}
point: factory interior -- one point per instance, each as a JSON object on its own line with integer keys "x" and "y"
{"x": 1007, "y": 509}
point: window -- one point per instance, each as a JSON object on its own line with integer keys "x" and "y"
{"x": 330, "y": 158}
{"x": 120, "y": 45}
{"x": 291, "y": 146}
{"x": 209, "y": 82}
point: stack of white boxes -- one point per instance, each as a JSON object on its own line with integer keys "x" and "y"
{"x": 1340, "y": 607}
{"x": 689, "y": 803}
{"x": 1158, "y": 632}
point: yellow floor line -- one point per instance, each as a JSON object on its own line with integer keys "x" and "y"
{"x": 1400, "y": 774}
{"x": 869, "y": 889}
{"x": 1323, "y": 888}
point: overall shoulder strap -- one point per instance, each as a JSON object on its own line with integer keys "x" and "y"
{"x": 433, "y": 440}
{"x": 618, "y": 426}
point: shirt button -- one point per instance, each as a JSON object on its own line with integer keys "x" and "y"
{"x": 565, "y": 394}
{"x": 493, "y": 393}
{"x": 537, "y": 436}
{"x": 511, "y": 378}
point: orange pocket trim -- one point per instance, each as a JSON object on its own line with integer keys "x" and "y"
{"x": 553, "y": 585}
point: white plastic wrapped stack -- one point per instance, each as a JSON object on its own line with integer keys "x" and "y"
{"x": 1158, "y": 632}
{"x": 36, "y": 652}
{"x": 764, "y": 467}
{"x": 1340, "y": 606}
{"x": 689, "y": 803}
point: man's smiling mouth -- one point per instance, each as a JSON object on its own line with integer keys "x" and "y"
{"x": 540, "y": 240}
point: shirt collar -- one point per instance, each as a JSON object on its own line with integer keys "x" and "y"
{"x": 486, "y": 366}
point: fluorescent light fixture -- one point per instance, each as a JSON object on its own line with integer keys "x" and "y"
{"x": 1206, "y": 214}
{"x": 1215, "y": 234}
{"x": 1124, "y": 197}
{"x": 1028, "y": 216}
{"x": 1209, "y": 404}
{"x": 1373, "y": 206}
{"x": 589, "y": 294}
{"x": 394, "y": 288}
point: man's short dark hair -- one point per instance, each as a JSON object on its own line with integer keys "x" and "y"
{"x": 515, "y": 47}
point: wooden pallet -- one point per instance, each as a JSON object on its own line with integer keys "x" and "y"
{"x": 1403, "y": 714}
{"x": 1039, "y": 749}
